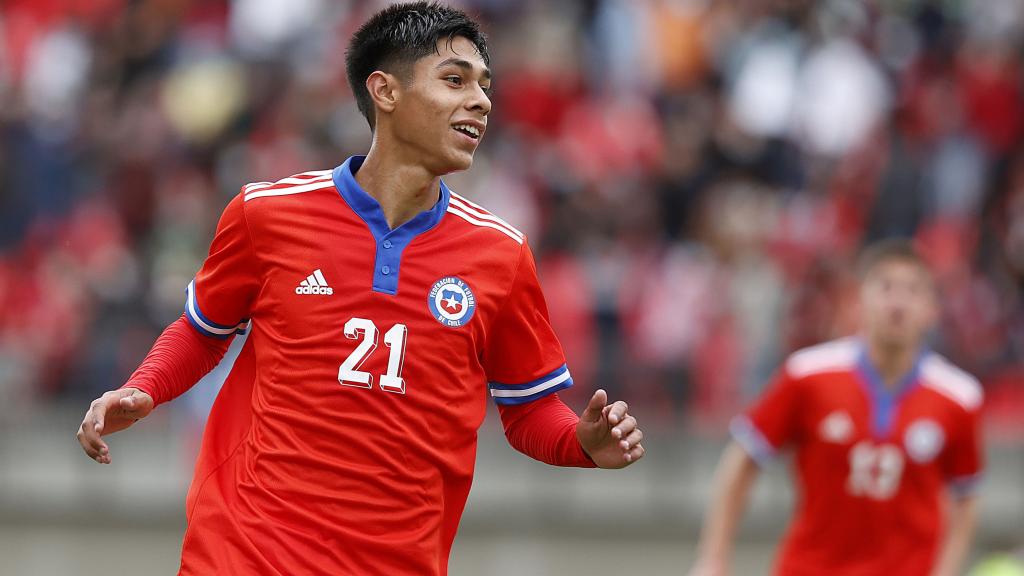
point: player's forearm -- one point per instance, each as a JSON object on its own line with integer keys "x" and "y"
{"x": 963, "y": 513}
{"x": 545, "y": 430}
{"x": 177, "y": 360}
{"x": 733, "y": 479}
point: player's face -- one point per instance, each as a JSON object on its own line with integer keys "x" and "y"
{"x": 898, "y": 304}
{"x": 442, "y": 114}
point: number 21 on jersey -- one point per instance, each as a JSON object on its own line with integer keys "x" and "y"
{"x": 366, "y": 332}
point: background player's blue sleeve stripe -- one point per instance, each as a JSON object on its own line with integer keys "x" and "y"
{"x": 747, "y": 435}
{"x": 545, "y": 378}
{"x": 965, "y": 486}
{"x": 511, "y": 401}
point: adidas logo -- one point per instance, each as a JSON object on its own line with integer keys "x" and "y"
{"x": 314, "y": 284}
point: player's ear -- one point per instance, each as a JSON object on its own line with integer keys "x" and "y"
{"x": 384, "y": 89}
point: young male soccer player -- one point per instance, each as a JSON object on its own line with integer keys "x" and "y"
{"x": 326, "y": 451}
{"x": 885, "y": 434}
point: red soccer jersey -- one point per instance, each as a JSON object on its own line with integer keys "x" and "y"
{"x": 872, "y": 464}
{"x": 327, "y": 452}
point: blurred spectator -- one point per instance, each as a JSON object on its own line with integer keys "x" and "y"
{"x": 696, "y": 176}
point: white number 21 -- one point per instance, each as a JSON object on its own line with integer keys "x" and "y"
{"x": 349, "y": 373}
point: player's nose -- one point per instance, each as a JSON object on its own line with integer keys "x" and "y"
{"x": 479, "y": 101}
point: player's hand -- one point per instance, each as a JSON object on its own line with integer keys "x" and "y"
{"x": 608, "y": 433}
{"x": 114, "y": 411}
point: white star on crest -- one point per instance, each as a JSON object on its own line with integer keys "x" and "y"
{"x": 451, "y": 302}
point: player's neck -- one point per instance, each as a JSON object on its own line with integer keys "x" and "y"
{"x": 893, "y": 363}
{"x": 403, "y": 189}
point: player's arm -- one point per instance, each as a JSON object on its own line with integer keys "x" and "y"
{"x": 961, "y": 520}
{"x": 734, "y": 477}
{"x": 546, "y": 429}
{"x": 217, "y": 307}
{"x": 773, "y": 422}
{"x": 526, "y": 367}
{"x": 963, "y": 467}
{"x": 178, "y": 359}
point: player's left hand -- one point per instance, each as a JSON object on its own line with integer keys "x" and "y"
{"x": 608, "y": 433}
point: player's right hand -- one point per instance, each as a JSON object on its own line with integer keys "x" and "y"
{"x": 114, "y": 411}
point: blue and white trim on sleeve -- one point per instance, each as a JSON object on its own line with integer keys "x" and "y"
{"x": 203, "y": 324}
{"x": 747, "y": 435}
{"x": 964, "y": 486}
{"x": 511, "y": 394}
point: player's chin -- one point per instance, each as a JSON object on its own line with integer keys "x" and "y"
{"x": 897, "y": 337}
{"x": 459, "y": 160}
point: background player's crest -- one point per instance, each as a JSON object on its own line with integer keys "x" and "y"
{"x": 837, "y": 427}
{"x": 924, "y": 440}
{"x": 451, "y": 301}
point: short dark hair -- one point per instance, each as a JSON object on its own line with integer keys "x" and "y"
{"x": 399, "y": 35}
{"x": 888, "y": 250}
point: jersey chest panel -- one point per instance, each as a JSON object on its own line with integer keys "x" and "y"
{"x": 307, "y": 337}
{"x": 851, "y": 446}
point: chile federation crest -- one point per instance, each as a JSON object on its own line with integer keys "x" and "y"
{"x": 451, "y": 301}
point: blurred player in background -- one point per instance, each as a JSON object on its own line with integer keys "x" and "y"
{"x": 886, "y": 439}
{"x": 327, "y": 453}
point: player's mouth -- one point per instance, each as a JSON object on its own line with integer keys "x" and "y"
{"x": 470, "y": 129}
{"x": 896, "y": 317}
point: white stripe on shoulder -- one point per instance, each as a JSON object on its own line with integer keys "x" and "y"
{"x": 256, "y": 185}
{"x": 481, "y": 213}
{"x": 452, "y": 209}
{"x": 827, "y": 357}
{"x": 468, "y": 201}
{"x": 484, "y": 215}
{"x": 942, "y": 376}
{"x": 293, "y": 179}
{"x": 289, "y": 190}
{"x": 301, "y": 178}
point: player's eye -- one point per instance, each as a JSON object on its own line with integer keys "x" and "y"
{"x": 486, "y": 89}
{"x": 457, "y": 80}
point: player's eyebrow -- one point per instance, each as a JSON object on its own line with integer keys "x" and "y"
{"x": 465, "y": 65}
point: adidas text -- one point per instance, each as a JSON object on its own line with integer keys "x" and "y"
{"x": 326, "y": 290}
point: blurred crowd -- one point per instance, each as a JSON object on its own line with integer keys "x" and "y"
{"x": 696, "y": 176}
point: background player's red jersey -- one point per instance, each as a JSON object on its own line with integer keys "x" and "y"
{"x": 344, "y": 440}
{"x": 872, "y": 463}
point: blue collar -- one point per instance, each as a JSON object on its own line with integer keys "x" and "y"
{"x": 367, "y": 207}
{"x": 390, "y": 243}
{"x": 885, "y": 401}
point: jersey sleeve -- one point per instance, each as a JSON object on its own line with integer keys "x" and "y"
{"x": 522, "y": 357}
{"x": 962, "y": 461}
{"x": 772, "y": 422}
{"x": 219, "y": 298}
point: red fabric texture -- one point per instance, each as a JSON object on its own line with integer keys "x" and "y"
{"x": 178, "y": 359}
{"x": 545, "y": 430}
